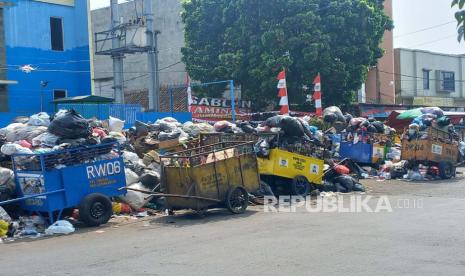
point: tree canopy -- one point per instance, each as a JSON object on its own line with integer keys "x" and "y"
{"x": 250, "y": 41}
{"x": 460, "y": 16}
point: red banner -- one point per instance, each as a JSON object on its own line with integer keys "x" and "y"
{"x": 211, "y": 113}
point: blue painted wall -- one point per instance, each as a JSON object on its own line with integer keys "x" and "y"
{"x": 27, "y": 39}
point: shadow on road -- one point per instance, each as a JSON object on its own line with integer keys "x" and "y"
{"x": 189, "y": 218}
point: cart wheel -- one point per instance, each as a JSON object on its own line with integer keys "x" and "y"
{"x": 446, "y": 170}
{"x": 237, "y": 200}
{"x": 300, "y": 186}
{"x": 95, "y": 209}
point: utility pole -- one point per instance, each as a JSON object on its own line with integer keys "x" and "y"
{"x": 152, "y": 55}
{"x": 118, "y": 76}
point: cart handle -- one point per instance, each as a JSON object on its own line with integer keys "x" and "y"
{"x": 152, "y": 194}
{"x": 31, "y": 196}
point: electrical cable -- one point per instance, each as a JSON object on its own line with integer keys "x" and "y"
{"x": 425, "y": 29}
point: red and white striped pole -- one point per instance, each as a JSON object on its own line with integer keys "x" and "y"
{"x": 282, "y": 86}
{"x": 317, "y": 96}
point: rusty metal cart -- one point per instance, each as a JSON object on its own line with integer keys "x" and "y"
{"x": 438, "y": 149}
{"x": 217, "y": 175}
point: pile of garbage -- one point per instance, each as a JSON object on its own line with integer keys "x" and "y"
{"x": 67, "y": 129}
{"x": 347, "y": 123}
{"x": 426, "y": 118}
{"x": 343, "y": 177}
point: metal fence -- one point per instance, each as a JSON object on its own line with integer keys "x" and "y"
{"x": 125, "y": 112}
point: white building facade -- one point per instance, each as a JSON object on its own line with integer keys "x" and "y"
{"x": 429, "y": 79}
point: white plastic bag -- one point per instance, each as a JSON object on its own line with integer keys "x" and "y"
{"x": 130, "y": 156}
{"x": 11, "y": 149}
{"x": 60, "y": 227}
{"x": 135, "y": 199}
{"x": 10, "y": 128}
{"x": 25, "y": 132}
{"x": 4, "y": 215}
{"x": 115, "y": 124}
{"x": 7, "y": 178}
{"x": 40, "y": 119}
{"x": 131, "y": 177}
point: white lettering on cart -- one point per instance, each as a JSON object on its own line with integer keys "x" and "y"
{"x": 102, "y": 170}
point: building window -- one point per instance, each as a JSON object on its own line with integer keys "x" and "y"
{"x": 56, "y": 34}
{"x": 447, "y": 81}
{"x": 426, "y": 79}
{"x": 59, "y": 94}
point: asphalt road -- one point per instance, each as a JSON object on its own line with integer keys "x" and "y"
{"x": 425, "y": 239}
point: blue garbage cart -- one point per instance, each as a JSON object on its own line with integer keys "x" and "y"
{"x": 370, "y": 149}
{"x": 84, "y": 178}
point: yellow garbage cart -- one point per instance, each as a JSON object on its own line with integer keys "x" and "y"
{"x": 294, "y": 168}
{"x": 217, "y": 175}
{"x": 298, "y": 172}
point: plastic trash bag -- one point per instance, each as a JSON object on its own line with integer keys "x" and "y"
{"x": 45, "y": 139}
{"x": 262, "y": 148}
{"x": 195, "y": 129}
{"x": 292, "y": 127}
{"x": 60, "y": 227}
{"x": 7, "y": 178}
{"x": 336, "y": 111}
{"x": 330, "y": 118}
{"x": 24, "y": 144}
{"x": 150, "y": 179}
{"x": 39, "y": 119}
{"x": 130, "y": 156}
{"x": 379, "y": 126}
{"x": 273, "y": 122}
{"x": 348, "y": 117}
{"x": 135, "y": 199}
{"x": 3, "y": 228}
{"x": 167, "y": 124}
{"x": 120, "y": 138}
{"x": 433, "y": 110}
{"x": 142, "y": 129}
{"x": 168, "y": 120}
{"x": 115, "y": 124}
{"x": 414, "y": 175}
{"x": 99, "y": 132}
{"x": 11, "y": 149}
{"x": 69, "y": 125}
{"x": 222, "y": 126}
{"x": 443, "y": 121}
{"x": 131, "y": 177}
{"x": 358, "y": 187}
{"x": 247, "y": 127}
{"x": 25, "y": 132}
{"x": 344, "y": 183}
{"x": 4, "y": 215}
{"x": 10, "y": 128}
{"x": 164, "y": 136}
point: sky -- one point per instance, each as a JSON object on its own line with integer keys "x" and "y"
{"x": 419, "y": 24}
